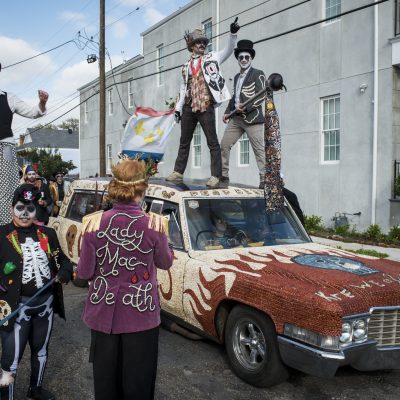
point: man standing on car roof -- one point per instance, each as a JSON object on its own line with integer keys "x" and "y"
{"x": 10, "y": 104}
{"x": 247, "y": 119}
{"x": 202, "y": 89}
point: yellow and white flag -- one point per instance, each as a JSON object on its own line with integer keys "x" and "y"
{"x": 146, "y": 133}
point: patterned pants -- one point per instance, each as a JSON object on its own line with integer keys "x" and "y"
{"x": 9, "y": 180}
{"x": 34, "y": 325}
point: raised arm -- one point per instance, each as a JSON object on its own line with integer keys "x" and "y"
{"x": 25, "y": 110}
{"x": 225, "y": 53}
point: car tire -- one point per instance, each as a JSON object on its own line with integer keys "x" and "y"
{"x": 252, "y": 347}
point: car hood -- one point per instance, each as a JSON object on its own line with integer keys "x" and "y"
{"x": 318, "y": 283}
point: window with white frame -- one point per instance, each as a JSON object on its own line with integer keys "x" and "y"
{"x": 196, "y": 144}
{"x": 330, "y": 129}
{"x": 85, "y": 112}
{"x": 160, "y": 64}
{"x": 207, "y": 28}
{"x": 244, "y": 150}
{"x": 332, "y": 8}
{"x": 109, "y": 157}
{"x": 110, "y": 102}
{"x": 130, "y": 94}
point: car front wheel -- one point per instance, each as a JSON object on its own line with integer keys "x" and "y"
{"x": 252, "y": 347}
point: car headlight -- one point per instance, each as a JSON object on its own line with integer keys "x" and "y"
{"x": 346, "y": 336}
{"x": 354, "y": 331}
{"x": 315, "y": 339}
{"x": 359, "y": 330}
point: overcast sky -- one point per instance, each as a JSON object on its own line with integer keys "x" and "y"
{"x": 34, "y": 26}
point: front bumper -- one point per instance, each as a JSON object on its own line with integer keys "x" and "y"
{"x": 363, "y": 357}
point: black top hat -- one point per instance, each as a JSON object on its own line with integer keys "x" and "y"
{"x": 275, "y": 82}
{"x": 26, "y": 193}
{"x": 245, "y": 45}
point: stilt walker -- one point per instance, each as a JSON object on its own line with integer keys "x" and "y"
{"x": 10, "y": 104}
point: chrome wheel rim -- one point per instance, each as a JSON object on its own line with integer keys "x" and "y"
{"x": 249, "y": 344}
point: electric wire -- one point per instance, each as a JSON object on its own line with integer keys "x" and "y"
{"x": 259, "y": 41}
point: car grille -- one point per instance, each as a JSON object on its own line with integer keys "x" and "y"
{"x": 384, "y": 327}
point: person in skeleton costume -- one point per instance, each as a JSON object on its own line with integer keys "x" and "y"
{"x": 249, "y": 119}
{"x": 30, "y": 256}
{"x": 202, "y": 89}
{"x": 10, "y": 104}
{"x": 121, "y": 250}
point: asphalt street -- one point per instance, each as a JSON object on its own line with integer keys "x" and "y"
{"x": 195, "y": 370}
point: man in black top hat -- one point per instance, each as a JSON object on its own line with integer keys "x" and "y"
{"x": 202, "y": 89}
{"x": 249, "y": 119}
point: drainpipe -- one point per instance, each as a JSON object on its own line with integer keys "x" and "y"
{"x": 375, "y": 124}
{"x": 217, "y": 30}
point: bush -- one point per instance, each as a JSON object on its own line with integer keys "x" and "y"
{"x": 374, "y": 232}
{"x": 369, "y": 252}
{"x": 313, "y": 223}
{"x": 343, "y": 230}
{"x": 394, "y": 233}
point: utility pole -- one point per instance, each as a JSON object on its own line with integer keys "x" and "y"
{"x": 102, "y": 99}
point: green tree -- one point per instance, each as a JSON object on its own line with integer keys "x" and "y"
{"x": 72, "y": 123}
{"x": 44, "y": 126}
{"x": 48, "y": 161}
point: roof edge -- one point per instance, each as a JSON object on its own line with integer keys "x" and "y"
{"x": 171, "y": 16}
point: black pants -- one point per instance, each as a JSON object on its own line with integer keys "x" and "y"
{"x": 207, "y": 122}
{"x": 124, "y": 365}
{"x": 34, "y": 325}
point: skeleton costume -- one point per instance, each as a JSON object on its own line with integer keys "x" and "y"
{"x": 202, "y": 89}
{"x": 246, "y": 84}
{"x": 30, "y": 256}
{"x": 121, "y": 251}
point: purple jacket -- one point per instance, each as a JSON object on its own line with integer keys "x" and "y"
{"x": 120, "y": 258}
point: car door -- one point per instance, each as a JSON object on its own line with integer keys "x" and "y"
{"x": 170, "y": 282}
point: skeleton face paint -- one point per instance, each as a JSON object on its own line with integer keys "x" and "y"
{"x": 24, "y": 214}
{"x": 244, "y": 60}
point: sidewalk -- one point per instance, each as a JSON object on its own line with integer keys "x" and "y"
{"x": 394, "y": 253}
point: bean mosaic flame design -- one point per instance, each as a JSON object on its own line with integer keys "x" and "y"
{"x": 308, "y": 296}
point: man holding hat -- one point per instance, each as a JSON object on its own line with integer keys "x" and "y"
{"x": 202, "y": 89}
{"x": 10, "y": 104}
{"x": 249, "y": 119}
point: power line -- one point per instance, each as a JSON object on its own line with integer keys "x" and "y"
{"x": 223, "y": 33}
{"x": 217, "y": 23}
{"x": 40, "y": 54}
{"x": 259, "y": 41}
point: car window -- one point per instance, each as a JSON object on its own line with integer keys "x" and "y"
{"x": 219, "y": 224}
{"x": 83, "y": 203}
{"x": 171, "y": 212}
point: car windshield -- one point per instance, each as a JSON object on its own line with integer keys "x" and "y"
{"x": 227, "y": 223}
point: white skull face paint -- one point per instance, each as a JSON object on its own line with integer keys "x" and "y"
{"x": 244, "y": 60}
{"x": 24, "y": 212}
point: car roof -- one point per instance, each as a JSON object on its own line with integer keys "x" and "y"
{"x": 186, "y": 185}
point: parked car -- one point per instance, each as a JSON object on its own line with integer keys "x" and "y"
{"x": 261, "y": 287}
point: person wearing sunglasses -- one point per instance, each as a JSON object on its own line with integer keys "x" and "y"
{"x": 249, "y": 119}
{"x": 30, "y": 257}
{"x": 202, "y": 89}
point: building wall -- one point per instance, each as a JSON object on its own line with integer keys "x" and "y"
{"x": 324, "y": 60}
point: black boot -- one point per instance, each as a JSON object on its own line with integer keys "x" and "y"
{"x": 223, "y": 182}
{"x": 38, "y": 393}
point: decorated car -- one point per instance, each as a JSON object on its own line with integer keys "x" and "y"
{"x": 257, "y": 283}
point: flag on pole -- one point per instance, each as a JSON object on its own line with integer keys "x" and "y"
{"x": 146, "y": 133}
